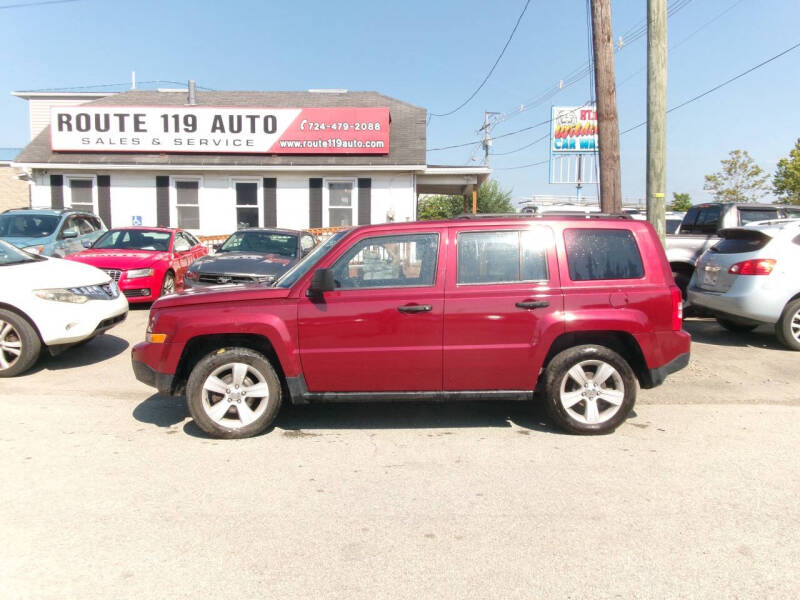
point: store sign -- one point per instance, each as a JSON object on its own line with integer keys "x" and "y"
{"x": 204, "y": 129}
{"x": 573, "y": 129}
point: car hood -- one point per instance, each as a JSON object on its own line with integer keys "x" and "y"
{"x": 24, "y": 242}
{"x": 51, "y": 273}
{"x": 243, "y": 263}
{"x": 222, "y": 293}
{"x": 119, "y": 259}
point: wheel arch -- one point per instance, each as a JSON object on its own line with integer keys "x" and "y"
{"x": 202, "y": 345}
{"x": 621, "y": 342}
{"x": 25, "y": 316}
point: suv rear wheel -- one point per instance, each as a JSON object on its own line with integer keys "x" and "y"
{"x": 788, "y": 327}
{"x": 233, "y": 393}
{"x": 589, "y": 389}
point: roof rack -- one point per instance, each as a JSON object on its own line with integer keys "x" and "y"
{"x": 553, "y": 213}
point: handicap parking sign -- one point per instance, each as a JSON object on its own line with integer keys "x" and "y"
{"x": 136, "y": 220}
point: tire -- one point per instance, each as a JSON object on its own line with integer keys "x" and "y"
{"x": 788, "y": 326}
{"x": 579, "y": 404}
{"x": 168, "y": 285}
{"x": 213, "y": 383}
{"x": 735, "y": 326}
{"x": 19, "y": 344}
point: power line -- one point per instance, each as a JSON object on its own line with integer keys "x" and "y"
{"x": 41, "y": 3}
{"x": 721, "y": 85}
{"x": 541, "y": 162}
{"x": 124, "y": 83}
{"x": 489, "y": 74}
{"x": 496, "y": 137}
{"x": 536, "y": 141}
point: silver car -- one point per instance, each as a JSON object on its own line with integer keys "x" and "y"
{"x": 752, "y": 277}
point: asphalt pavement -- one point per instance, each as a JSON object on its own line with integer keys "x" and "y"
{"x": 108, "y": 490}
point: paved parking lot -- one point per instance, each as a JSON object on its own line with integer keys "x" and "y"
{"x": 107, "y": 490}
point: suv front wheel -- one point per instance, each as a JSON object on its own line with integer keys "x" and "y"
{"x": 589, "y": 389}
{"x": 233, "y": 393}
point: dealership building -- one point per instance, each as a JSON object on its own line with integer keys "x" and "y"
{"x": 212, "y": 162}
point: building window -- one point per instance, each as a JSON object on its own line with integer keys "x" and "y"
{"x": 187, "y": 205}
{"x": 81, "y": 194}
{"x": 246, "y": 205}
{"x": 340, "y": 203}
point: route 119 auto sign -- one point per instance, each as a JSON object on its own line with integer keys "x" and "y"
{"x": 206, "y": 129}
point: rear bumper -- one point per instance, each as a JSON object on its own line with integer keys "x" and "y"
{"x": 747, "y": 300}
{"x": 658, "y": 375}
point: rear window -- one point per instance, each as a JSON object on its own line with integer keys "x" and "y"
{"x": 736, "y": 242}
{"x": 707, "y": 219}
{"x": 594, "y": 254}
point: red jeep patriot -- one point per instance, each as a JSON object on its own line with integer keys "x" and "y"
{"x": 574, "y": 310}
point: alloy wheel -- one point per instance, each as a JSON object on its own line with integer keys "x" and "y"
{"x": 234, "y": 395}
{"x": 10, "y": 345}
{"x": 592, "y": 392}
{"x": 794, "y": 325}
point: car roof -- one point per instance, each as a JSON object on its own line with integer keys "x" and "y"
{"x": 144, "y": 228}
{"x": 268, "y": 230}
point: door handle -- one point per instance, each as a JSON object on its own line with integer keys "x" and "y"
{"x": 415, "y": 308}
{"x": 529, "y": 304}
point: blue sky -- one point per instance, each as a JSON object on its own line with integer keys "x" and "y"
{"x": 434, "y": 54}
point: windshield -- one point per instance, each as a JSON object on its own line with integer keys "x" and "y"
{"x": 134, "y": 239}
{"x": 9, "y": 255}
{"x": 28, "y": 225}
{"x": 261, "y": 242}
{"x": 307, "y": 263}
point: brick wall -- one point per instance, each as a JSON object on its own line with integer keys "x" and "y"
{"x": 13, "y": 192}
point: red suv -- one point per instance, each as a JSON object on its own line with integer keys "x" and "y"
{"x": 573, "y": 310}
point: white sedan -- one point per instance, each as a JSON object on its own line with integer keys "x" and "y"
{"x": 52, "y": 303}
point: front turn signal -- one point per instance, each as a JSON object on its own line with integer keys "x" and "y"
{"x": 155, "y": 338}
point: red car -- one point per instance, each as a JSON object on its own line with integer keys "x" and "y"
{"x": 146, "y": 262}
{"x": 576, "y": 311}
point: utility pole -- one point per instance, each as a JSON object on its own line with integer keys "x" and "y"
{"x": 606, "y": 93}
{"x": 657, "y": 114}
{"x": 487, "y": 138}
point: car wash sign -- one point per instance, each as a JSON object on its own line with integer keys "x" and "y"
{"x": 573, "y": 129}
{"x": 205, "y": 129}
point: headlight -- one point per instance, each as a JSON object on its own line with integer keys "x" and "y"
{"x": 136, "y": 273}
{"x": 61, "y": 295}
{"x": 193, "y": 275}
{"x": 34, "y": 249}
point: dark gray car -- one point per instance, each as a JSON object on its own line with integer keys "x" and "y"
{"x": 250, "y": 256}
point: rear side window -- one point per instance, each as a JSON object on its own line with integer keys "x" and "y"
{"x": 747, "y": 215}
{"x": 594, "y": 254}
{"x": 687, "y": 226}
{"x": 503, "y": 256}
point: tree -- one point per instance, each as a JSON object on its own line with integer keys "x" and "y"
{"x": 786, "y": 182}
{"x": 491, "y": 199}
{"x": 680, "y": 202}
{"x": 740, "y": 180}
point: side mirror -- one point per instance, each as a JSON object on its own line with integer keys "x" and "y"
{"x": 321, "y": 281}
{"x": 69, "y": 234}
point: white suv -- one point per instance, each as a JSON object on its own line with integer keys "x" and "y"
{"x": 52, "y": 303}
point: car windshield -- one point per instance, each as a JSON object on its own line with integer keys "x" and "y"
{"x": 307, "y": 263}
{"x": 19, "y": 225}
{"x": 134, "y": 239}
{"x": 10, "y": 255}
{"x": 261, "y": 242}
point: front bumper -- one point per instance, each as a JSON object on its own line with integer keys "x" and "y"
{"x": 63, "y": 323}
{"x": 161, "y": 381}
{"x": 141, "y": 289}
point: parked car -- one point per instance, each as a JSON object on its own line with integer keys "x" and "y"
{"x": 752, "y": 277}
{"x": 491, "y": 308}
{"x": 698, "y": 231}
{"x": 50, "y": 303}
{"x": 48, "y": 232}
{"x": 146, "y": 262}
{"x": 251, "y": 256}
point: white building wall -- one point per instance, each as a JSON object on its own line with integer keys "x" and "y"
{"x": 133, "y": 194}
